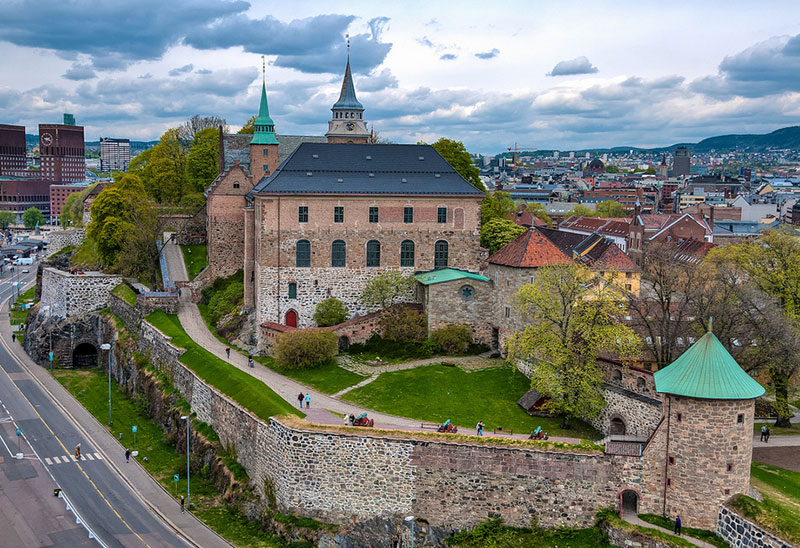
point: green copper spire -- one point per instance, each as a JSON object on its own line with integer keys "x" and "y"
{"x": 264, "y": 133}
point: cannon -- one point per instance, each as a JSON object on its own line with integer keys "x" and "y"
{"x": 538, "y": 434}
{"x": 447, "y": 428}
{"x": 363, "y": 420}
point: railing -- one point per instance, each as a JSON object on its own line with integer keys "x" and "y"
{"x": 79, "y": 520}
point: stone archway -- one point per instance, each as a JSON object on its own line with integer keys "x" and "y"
{"x": 617, "y": 426}
{"x": 629, "y": 502}
{"x": 84, "y": 356}
{"x": 344, "y": 343}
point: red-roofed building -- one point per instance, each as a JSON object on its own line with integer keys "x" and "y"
{"x": 618, "y": 229}
{"x": 666, "y": 228}
{"x": 527, "y": 219}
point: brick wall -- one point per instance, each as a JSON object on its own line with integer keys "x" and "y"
{"x": 70, "y": 294}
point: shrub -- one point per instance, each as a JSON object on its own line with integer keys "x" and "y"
{"x": 224, "y": 295}
{"x": 453, "y": 339}
{"x": 404, "y": 324}
{"x": 304, "y": 349}
{"x": 331, "y": 311}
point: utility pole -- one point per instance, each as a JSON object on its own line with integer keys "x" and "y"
{"x": 107, "y": 347}
{"x": 188, "y": 479}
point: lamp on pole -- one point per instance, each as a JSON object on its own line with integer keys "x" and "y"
{"x": 106, "y": 346}
{"x": 411, "y": 519}
{"x": 188, "y": 484}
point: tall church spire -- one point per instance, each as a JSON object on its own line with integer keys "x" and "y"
{"x": 264, "y": 130}
{"x": 347, "y": 123}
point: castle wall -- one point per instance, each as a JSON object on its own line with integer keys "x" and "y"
{"x": 190, "y": 229}
{"x": 445, "y": 304}
{"x": 743, "y": 533}
{"x": 70, "y": 294}
{"x": 225, "y": 221}
{"x": 56, "y": 241}
{"x": 640, "y": 414}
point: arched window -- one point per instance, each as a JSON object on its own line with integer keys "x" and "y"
{"x": 338, "y": 253}
{"x": 303, "y": 254}
{"x": 407, "y": 253}
{"x": 616, "y": 377}
{"x": 373, "y": 253}
{"x": 641, "y": 384}
{"x": 440, "y": 250}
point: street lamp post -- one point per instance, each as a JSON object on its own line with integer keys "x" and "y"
{"x": 411, "y": 519}
{"x": 107, "y": 346}
{"x": 188, "y": 481}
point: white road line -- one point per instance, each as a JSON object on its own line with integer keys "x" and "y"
{"x": 73, "y": 458}
{"x": 98, "y": 456}
{"x": 89, "y": 456}
{"x": 48, "y": 461}
{"x": 57, "y": 460}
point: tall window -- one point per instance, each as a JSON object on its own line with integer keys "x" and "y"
{"x": 373, "y": 214}
{"x": 338, "y": 253}
{"x": 440, "y": 254}
{"x": 292, "y": 290}
{"x": 441, "y": 215}
{"x": 302, "y": 214}
{"x": 407, "y": 253}
{"x": 373, "y": 253}
{"x": 408, "y": 214}
{"x": 303, "y": 254}
{"x": 338, "y": 214}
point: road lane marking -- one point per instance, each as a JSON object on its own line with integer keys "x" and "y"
{"x": 57, "y": 460}
{"x": 98, "y": 456}
{"x": 89, "y": 456}
{"x": 48, "y": 461}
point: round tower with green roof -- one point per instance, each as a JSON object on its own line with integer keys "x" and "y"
{"x": 709, "y": 405}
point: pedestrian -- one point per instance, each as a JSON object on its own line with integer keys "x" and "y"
{"x": 250, "y": 361}
{"x": 300, "y": 398}
{"x": 78, "y": 451}
{"x": 179, "y": 293}
{"x": 766, "y": 435}
{"x": 479, "y": 427}
{"x": 127, "y": 455}
{"x": 763, "y": 432}
{"x": 228, "y": 352}
{"x": 183, "y": 502}
{"x": 13, "y": 337}
{"x": 678, "y": 525}
{"x": 346, "y": 420}
{"x": 308, "y": 401}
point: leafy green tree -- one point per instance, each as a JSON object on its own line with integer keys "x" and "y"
{"x": 571, "y": 323}
{"x": 386, "y": 289}
{"x": 32, "y": 217}
{"x": 497, "y": 205}
{"x": 457, "y": 156}
{"x": 498, "y": 232}
{"x": 202, "y": 163}
{"x": 111, "y": 217}
{"x": 163, "y": 168}
{"x": 304, "y": 349}
{"x": 611, "y": 208}
{"x": 611, "y": 168}
{"x": 404, "y": 324}
{"x": 581, "y": 210}
{"x": 7, "y": 218}
{"x": 331, "y": 311}
{"x": 453, "y": 339}
{"x": 249, "y": 127}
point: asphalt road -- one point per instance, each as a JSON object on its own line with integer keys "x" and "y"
{"x": 104, "y": 502}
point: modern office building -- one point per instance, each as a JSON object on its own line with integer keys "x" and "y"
{"x": 18, "y": 194}
{"x": 681, "y": 162}
{"x": 115, "y": 154}
{"x": 12, "y": 148}
{"x": 61, "y": 149}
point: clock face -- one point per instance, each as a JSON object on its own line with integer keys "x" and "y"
{"x": 350, "y": 126}
{"x": 47, "y": 139}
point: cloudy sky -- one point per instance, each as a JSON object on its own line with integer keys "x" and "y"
{"x": 546, "y": 74}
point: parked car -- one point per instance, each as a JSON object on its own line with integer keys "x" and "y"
{"x": 26, "y": 270}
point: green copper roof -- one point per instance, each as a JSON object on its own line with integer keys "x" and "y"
{"x": 264, "y": 133}
{"x": 446, "y": 275}
{"x": 708, "y": 371}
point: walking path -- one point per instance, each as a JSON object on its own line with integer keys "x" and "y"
{"x": 174, "y": 257}
{"x": 467, "y": 363}
{"x": 777, "y": 441}
{"x": 635, "y": 520}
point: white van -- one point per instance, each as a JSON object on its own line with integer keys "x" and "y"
{"x": 24, "y": 260}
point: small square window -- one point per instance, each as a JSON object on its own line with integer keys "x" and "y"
{"x": 629, "y": 274}
{"x": 730, "y": 467}
{"x": 508, "y": 312}
{"x": 266, "y": 169}
{"x": 292, "y": 290}
{"x": 669, "y": 482}
{"x": 679, "y": 417}
{"x": 338, "y": 214}
{"x": 672, "y": 460}
{"x": 408, "y": 214}
{"x": 740, "y": 418}
{"x": 727, "y": 491}
{"x": 266, "y": 152}
{"x": 235, "y": 185}
{"x": 441, "y": 215}
{"x": 373, "y": 214}
{"x": 302, "y": 214}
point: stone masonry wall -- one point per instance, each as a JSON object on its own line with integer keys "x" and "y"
{"x": 56, "y": 241}
{"x": 129, "y": 315}
{"x": 190, "y": 229}
{"x": 742, "y": 533}
{"x": 69, "y": 294}
{"x": 160, "y": 300}
{"x": 225, "y": 221}
{"x": 446, "y": 304}
{"x": 640, "y": 414}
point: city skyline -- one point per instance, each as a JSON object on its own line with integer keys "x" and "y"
{"x": 554, "y": 76}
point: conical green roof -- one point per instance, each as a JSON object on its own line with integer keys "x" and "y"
{"x": 264, "y": 127}
{"x": 708, "y": 371}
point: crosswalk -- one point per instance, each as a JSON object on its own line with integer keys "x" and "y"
{"x": 63, "y": 459}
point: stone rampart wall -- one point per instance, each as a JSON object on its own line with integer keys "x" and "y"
{"x": 742, "y": 533}
{"x": 190, "y": 229}
{"x": 70, "y": 294}
{"x": 129, "y": 315}
{"x": 56, "y": 241}
{"x": 627, "y": 539}
{"x": 640, "y": 414}
{"x": 149, "y": 302}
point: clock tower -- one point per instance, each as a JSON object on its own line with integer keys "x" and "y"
{"x": 347, "y": 123}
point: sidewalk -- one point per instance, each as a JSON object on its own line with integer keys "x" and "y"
{"x": 139, "y": 481}
{"x": 777, "y": 441}
{"x": 634, "y": 520}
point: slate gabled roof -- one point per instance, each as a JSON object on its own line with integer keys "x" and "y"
{"x": 368, "y": 169}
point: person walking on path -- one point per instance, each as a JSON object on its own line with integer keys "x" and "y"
{"x": 763, "y": 431}
{"x": 678, "y": 526}
{"x": 250, "y": 361}
{"x": 183, "y": 503}
{"x": 479, "y": 427}
{"x": 308, "y": 401}
{"x": 13, "y": 337}
{"x": 300, "y": 398}
{"x": 766, "y": 435}
{"x": 127, "y": 455}
{"x": 228, "y": 352}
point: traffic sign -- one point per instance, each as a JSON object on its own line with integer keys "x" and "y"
{"x": 133, "y": 428}
{"x": 50, "y": 357}
{"x": 19, "y": 432}
{"x": 176, "y": 478}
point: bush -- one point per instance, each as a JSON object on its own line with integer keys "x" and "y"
{"x": 453, "y": 339}
{"x": 304, "y": 349}
{"x": 404, "y": 324}
{"x": 223, "y": 296}
{"x": 331, "y": 311}
{"x": 403, "y": 350}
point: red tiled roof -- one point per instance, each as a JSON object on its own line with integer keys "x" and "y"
{"x": 692, "y": 250}
{"x": 529, "y": 250}
{"x": 612, "y": 257}
{"x": 527, "y": 219}
{"x": 610, "y": 226}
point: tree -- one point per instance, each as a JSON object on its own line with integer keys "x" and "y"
{"x": 197, "y": 123}
{"x": 249, "y": 126}
{"x": 570, "y": 324}
{"x": 140, "y": 253}
{"x": 113, "y": 216}
{"x": 163, "y": 169}
{"x": 540, "y": 212}
{"x": 386, "y": 289}
{"x": 32, "y": 218}
{"x": 581, "y": 210}
{"x": 202, "y": 163}
{"x": 611, "y": 168}
{"x": 497, "y": 205}
{"x": 303, "y": 349}
{"x": 610, "y": 208}
{"x": 459, "y": 159}
{"x": 331, "y": 311}
{"x": 7, "y": 218}
{"x": 498, "y": 232}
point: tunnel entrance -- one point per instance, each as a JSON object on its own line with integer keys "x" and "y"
{"x": 84, "y": 356}
{"x": 629, "y": 502}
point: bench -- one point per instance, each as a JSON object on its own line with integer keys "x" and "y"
{"x": 501, "y": 430}
{"x": 429, "y": 425}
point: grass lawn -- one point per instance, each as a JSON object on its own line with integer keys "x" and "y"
{"x": 327, "y": 377}
{"x": 435, "y": 393}
{"x": 91, "y": 389}
{"x": 19, "y": 315}
{"x": 246, "y": 390}
{"x": 701, "y": 534}
{"x": 195, "y": 258}
{"x": 124, "y": 292}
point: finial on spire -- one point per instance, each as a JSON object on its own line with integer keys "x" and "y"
{"x": 263, "y": 71}
{"x": 347, "y": 36}
{"x": 710, "y": 324}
